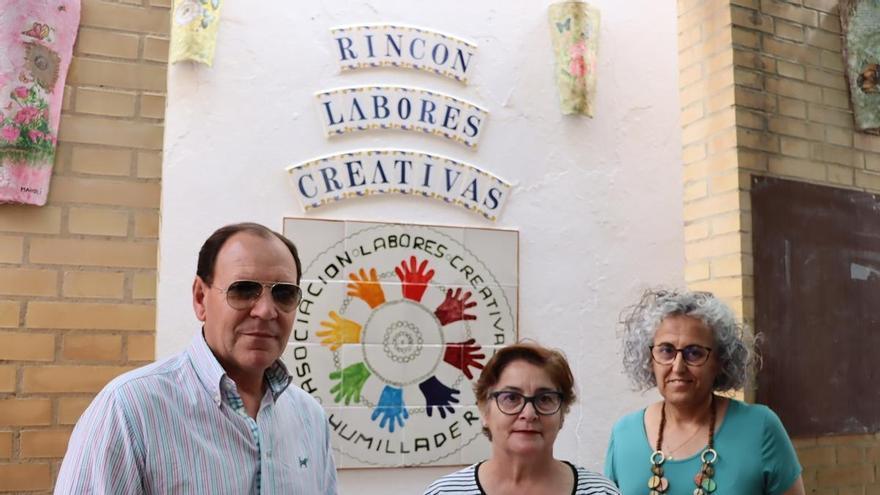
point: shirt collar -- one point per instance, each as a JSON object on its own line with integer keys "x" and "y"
{"x": 210, "y": 372}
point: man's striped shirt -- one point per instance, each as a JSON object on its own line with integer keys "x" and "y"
{"x": 177, "y": 426}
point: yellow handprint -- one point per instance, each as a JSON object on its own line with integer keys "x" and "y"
{"x": 367, "y": 288}
{"x": 339, "y": 331}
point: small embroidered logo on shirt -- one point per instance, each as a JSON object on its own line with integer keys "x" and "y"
{"x": 303, "y": 462}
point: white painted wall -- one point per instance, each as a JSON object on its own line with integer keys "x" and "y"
{"x": 597, "y": 202}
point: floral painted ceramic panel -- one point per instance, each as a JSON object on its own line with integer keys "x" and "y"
{"x": 36, "y": 45}
{"x": 194, "y": 25}
{"x": 861, "y": 27}
{"x": 574, "y": 28}
{"x": 396, "y": 323}
{"x": 367, "y": 172}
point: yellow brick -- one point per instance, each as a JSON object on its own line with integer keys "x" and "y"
{"x": 108, "y": 285}
{"x": 792, "y": 108}
{"x": 823, "y": 39}
{"x": 107, "y": 43}
{"x": 751, "y": 19}
{"x": 729, "y": 223}
{"x": 823, "y": 5}
{"x": 825, "y": 78}
{"x": 71, "y": 408}
{"x": 751, "y": 119}
{"x": 146, "y": 224}
{"x": 99, "y": 130}
{"x": 791, "y": 51}
{"x": 723, "y": 142}
{"x": 92, "y": 347}
{"x": 727, "y": 266}
{"x": 97, "y": 221}
{"x": 21, "y": 412}
{"x": 836, "y": 135}
{"x": 714, "y": 246}
{"x": 141, "y": 347}
{"x": 835, "y": 98}
{"x": 720, "y": 62}
{"x": 872, "y": 161}
{"x": 712, "y": 205}
{"x": 693, "y": 153}
{"x": 819, "y": 113}
{"x": 722, "y": 100}
{"x": 104, "y": 102}
{"x": 794, "y": 89}
{"x": 49, "y": 379}
{"x": 789, "y": 69}
{"x": 696, "y": 231}
{"x": 797, "y": 168}
{"x": 121, "y": 75}
{"x": 9, "y": 312}
{"x": 66, "y": 98}
{"x": 751, "y": 160}
{"x": 25, "y": 477}
{"x": 789, "y": 30}
{"x": 692, "y": 113}
{"x": 868, "y": 180}
{"x": 11, "y": 249}
{"x": 707, "y": 126}
{"x": 759, "y": 100}
{"x": 160, "y": 3}
{"x": 149, "y": 165}
{"x": 728, "y": 181}
{"x": 5, "y": 444}
{"x": 44, "y": 443}
{"x": 866, "y": 142}
{"x": 749, "y": 78}
{"x": 28, "y": 282}
{"x": 757, "y": 140}
{"x": 93, "y": 253}
{"x": 156, "y": 49}
{"x": 96, "y": 13}
{"x": 789, "y": 12}
{"x": 695, "y": 190}
{"x": 7, "y": 380}
{"x": 690, "y": 75}
{"x": 144, "y": 286}
{"x": 31, "y": 219}
{"x": 27, "y": 346}
{"x": 727, "y": 287}
{"x": 101, "y": 161}
{"x": 104, "y": 192}
{"x": 696, "y": 271}
{"x": 797, "y": 148}
{"x": 745, "y": 37}
{"x": 834, "y": 154}
{"x": 153, "y": 106}
{"x": 797, "y": 128}
{"x": 832, "y": 60}
{"x": 90, "y": 316}
{"x": 845, "y": 475}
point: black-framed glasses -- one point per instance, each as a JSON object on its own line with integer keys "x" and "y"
{"x": 244, "y": 294}
{"x": 545, "y": 403}
{"x": 693, "y": 355}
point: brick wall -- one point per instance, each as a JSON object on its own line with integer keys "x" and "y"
{"x": 78, "y": 275}
{"x": 763, "y": 92}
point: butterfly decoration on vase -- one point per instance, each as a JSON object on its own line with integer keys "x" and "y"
{"x": 39, "y": 31}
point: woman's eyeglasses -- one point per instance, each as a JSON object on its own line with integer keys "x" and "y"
{"x": 693, "y": 355}
{"x": 510, "y": 402}
{"x": 244, "y": 294}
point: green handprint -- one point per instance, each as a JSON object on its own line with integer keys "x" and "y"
{"x": 351, "y": 382}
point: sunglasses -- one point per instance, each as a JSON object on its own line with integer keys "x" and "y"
{"x": 244, "y": 294}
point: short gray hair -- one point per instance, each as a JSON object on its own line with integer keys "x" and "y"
{"x": 734, "y": 346}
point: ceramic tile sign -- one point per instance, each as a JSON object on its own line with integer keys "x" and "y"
{"x": 367, "y": 172}
{"x": 396, "y": 323}
{"x": 386, "y": 45}
{"x": 574, "y": 29}
{"x": 359, "y": 108}
{"x": 860, "y": 20}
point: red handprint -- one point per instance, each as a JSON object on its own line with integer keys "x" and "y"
{"x": 415, "y": 281}
{"x": 463, "y": 355}
{"x": 452, "y": 308}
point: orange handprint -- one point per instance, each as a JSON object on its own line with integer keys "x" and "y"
{"x": 367, "y": 288}
{"x": 339, "y": 331}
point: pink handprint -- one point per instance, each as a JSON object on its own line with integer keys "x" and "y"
{"x": 415, "y": 280}
{"x": 452, "y": 308}
{"x": 463, "y": 355}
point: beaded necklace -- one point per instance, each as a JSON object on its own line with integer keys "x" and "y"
{"x": 658, "y": 484}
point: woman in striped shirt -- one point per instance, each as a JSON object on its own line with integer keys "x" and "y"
{"x": 523, "y": 394}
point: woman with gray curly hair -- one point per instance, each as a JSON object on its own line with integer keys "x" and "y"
{"x": 694, "y": 442}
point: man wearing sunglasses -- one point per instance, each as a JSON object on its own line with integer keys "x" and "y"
{"x": 220, "y": 417}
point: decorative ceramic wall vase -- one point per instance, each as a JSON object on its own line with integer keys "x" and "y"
{"x": 574, "y": 29}
{"x": 194, "y": 25}
{"x": 860, "y": 20}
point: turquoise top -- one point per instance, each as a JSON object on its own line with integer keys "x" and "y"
{"x": 755, "y": 456}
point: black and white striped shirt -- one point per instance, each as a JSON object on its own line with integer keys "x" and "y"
{"x": 467, "y": 482}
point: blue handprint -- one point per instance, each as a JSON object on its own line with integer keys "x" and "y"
{"x": 439, "y": 395}
{"x": 391, "y": 408}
